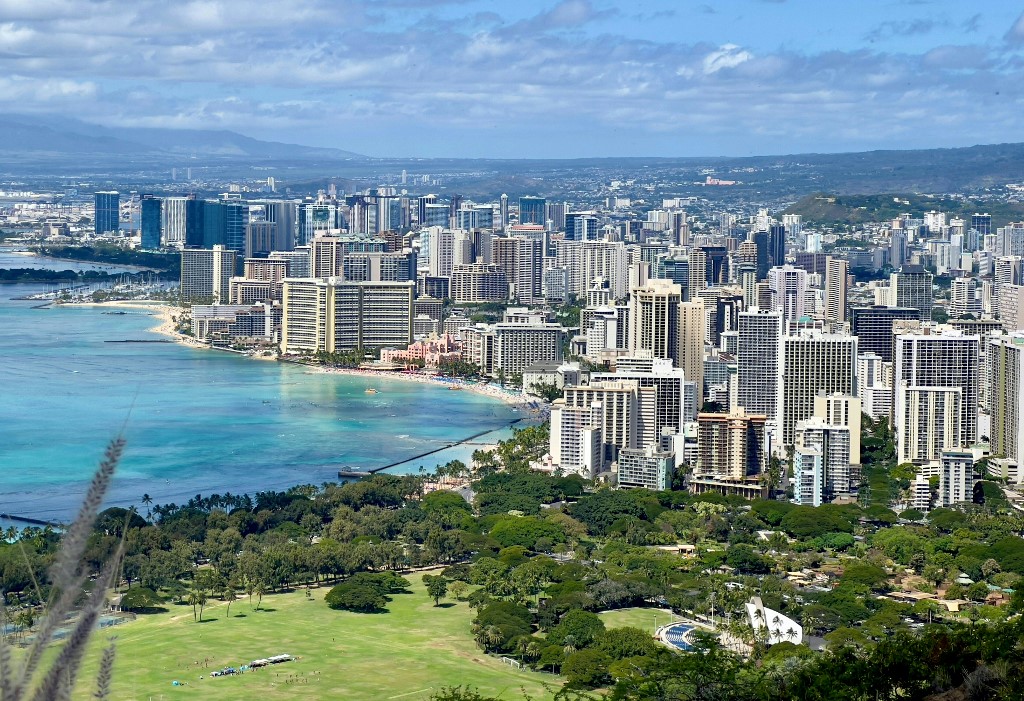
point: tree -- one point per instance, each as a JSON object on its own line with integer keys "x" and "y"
{"x": 458, "y": 589}
{"x": 586, "y": 668}
{"x": 582, "y": 626}
{"x": 229, "y": 595}
{"x": 355, "y": 597}
{"x": 437, "y": 587}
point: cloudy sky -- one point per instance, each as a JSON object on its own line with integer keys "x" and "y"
{"x": 530, "y": 78}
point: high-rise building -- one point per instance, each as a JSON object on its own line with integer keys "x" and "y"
{"x": 836, "y": 286}
{"x": 812, "y": 363}
{"x": 963, "y": 298}
{"x": 674, "y": 403}
{"x": 259, "y": 238}
{"x": 732, "y": 452}
{"x": 440, "y": 251}
{"x": 1011, "y": 307}
{"x": 503, "y": 211}
{"x": 327, "y": 255}
{"x": 150, "y": 224}
{"x": 107, "y": 213}
{"x": 532, "y": 210}
{"x": 522, "y": 259}
{"x": 692, "y": 323}
{"x": 758, "y": 361}
{"x": 789, "y": 291}
{"x": 318, "y": 218}
{"x": 645, "y": 468}
{"x": 1010, "y": 239}
{"x": 982, "y": 223}
{"x": 935, "y": 375}
{"x": 331, "y": 315}
{"x": 195, "y": 222}
{"x": 832, "y": 474}
{"x": 654, "y": 319}
{"x": 873, "y": 328}
{"x": 172, "y": 221}
{"x": 777, "y": 245}
{"x": 842, "y": 410}
{"x": 1007, "y": 270}
{"x": 478, "y": 282}
{"x": 575, "y": 438}
{"x": 1007, "y": 372}
{"x": 621, "y": 402}
{"x": 912, "y": 287}
{"x": 927, "y": 422}
{"x": 285, "y": 214}
{"x": 207, "y": 273}
{"x": 957, "y": 477}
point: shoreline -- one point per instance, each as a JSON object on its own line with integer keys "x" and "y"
{"x": 163, "y": 312}
{"x": 532, "y": 407}
{"x": 517, "y": 400}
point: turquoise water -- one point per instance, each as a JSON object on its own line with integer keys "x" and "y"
{"x": 196, "y": 421}
{"x": 11, "y": 259}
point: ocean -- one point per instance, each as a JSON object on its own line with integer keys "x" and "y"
{"x": 195, "y": 420}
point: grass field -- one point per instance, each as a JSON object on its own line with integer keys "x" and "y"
{"x": 407, "y": 653}
{"x": 643, "y": 619}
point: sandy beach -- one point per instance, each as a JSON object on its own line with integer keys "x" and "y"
{"x": 164, "y": 314}
{"x": 534, "y": 407}
{"x": 531, "y": 407}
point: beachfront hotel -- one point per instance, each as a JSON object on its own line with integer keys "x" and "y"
{"x": 331, "y": 315}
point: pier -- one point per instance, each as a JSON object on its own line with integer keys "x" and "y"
{"x": 31, "y": 521}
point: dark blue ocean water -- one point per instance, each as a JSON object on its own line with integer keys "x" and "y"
{"x": 196, "y": 421}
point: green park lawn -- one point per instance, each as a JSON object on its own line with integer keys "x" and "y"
{"x": 641, "y": 618}
{"x": 407, "y": 653}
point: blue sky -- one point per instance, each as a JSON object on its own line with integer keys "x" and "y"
{"x": 569, "y": 78}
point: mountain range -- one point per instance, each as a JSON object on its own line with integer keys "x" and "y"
{"x": 51, "y": 138}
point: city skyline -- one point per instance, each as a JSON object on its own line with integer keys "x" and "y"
{"x": 575, "y": 78}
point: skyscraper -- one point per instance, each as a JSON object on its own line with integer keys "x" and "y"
{"x": 532, "y": 210}
{"x": 812, "y": 363}
{"x": 935, "y": 374}
{"x": 150, "y": 224}
{"x": 107, "y": 213}
{"x": 207, "y": 273}
{"x": 777, "y": 245}
{"x": 912, "y": 287}
{"x": 758, "y": 361}
{"x": 692, "y": 330}
{"x": 331, "y": 315}
{"x": 654, "y": 319}
{"x": 194, "y": 222}
{"x": 172, "y": 221}
{"x": 789, "y": 291}
{"x": 522, "y": 259}
{"x": 285, "y": 214}
{"x": 503, "y": 212}
{"x": 873, "y": 327}
{"x": 1007, "y": 363}
{"x": 836, "y": 286}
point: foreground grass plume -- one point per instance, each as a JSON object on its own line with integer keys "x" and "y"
{"x": 26, "y": 678}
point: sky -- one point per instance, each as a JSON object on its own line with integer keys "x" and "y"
{"x": 530, "y": 78}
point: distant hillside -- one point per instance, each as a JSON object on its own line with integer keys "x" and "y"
{"x": 829, "y": 210}
{"x": 56, "y": 139}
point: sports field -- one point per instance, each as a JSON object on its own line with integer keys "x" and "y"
{"x": 642, "y": 618}
{"x": 407, "y": 653}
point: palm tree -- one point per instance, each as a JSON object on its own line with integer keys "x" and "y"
{"x": 569, "y": 645}
{"x": 492, "y": 637}
{"x": 229, "y": 595}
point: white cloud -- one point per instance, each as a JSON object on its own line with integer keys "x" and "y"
{"x": 727, "y": 56}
